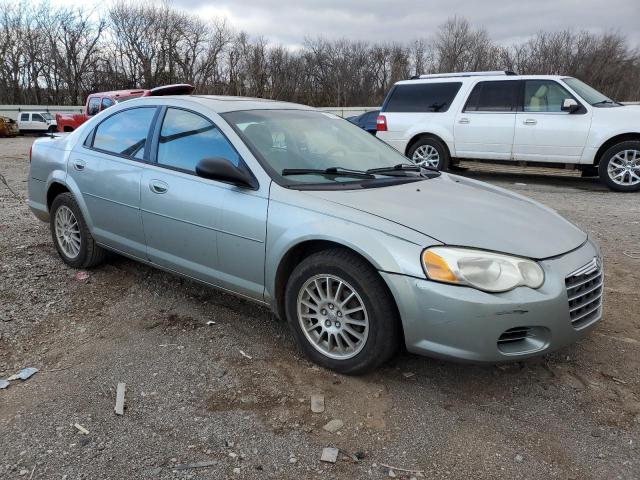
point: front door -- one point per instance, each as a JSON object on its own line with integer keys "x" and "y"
{"x": 209, "y": 230}
{"x": 107, "y": 170}
{"x": 485, "y": 126}
{"x": 544, "y": 133}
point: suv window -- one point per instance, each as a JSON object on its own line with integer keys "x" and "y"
{"x": 24, "y": 117}
{"x": 544, "y": 96}
{"x": 422, "y": 97}
{"x": 94, "y": 106}
{"x": 107, "y": 102}
{"x": 186, "y": 138}
{"x": 125, "y": 133}
{"x": 496, "y": 96}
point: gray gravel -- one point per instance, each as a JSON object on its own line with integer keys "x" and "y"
{"x": 193, "y": 400}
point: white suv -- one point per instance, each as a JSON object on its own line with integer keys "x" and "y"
{"x": 538, "y": 119}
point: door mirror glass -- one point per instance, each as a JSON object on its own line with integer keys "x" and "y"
{"x": 570, "y": 105}
{"x": 223, "y": 170}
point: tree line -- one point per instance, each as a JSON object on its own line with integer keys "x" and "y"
{"x": 59, "y": 55}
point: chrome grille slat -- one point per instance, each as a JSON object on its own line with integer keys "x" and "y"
{"x": 584, "y": 293}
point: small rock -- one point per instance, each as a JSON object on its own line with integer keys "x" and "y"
{"x": 408, "y": 374}
{"x": 236, "y": 470}
{"x": 23, "y": 472}
{"x": 317, "y": 403}
{"x": 329, "y": 455}
{"x": 392, "y": 474}
{"x": 519, "y": 458}
{"x": 333, "y": 425}
{"x": 293, "y": 459}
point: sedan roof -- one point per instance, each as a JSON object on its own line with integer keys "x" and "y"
{"x": 226, "y": 103}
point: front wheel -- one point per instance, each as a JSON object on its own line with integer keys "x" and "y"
{"x": 429, "y": 152}
{"x": 70, "y": 234}
{"x": 619, "y": 167}
{"x": 341, "y": 312}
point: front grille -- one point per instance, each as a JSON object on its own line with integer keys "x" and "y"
{"x": 584, "y": 290}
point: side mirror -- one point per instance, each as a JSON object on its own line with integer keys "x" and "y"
{"x": 570, "y": 105}
{"x": 221, "y": 169}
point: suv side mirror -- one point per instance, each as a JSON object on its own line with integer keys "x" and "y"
{"x": 221, "y": 169}
{"x": 570, "y": 105}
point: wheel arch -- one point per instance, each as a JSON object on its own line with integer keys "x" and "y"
{"x": 55, "y": 189}
{"x": 424, "y": 135}
{"x": 623, "y": 137}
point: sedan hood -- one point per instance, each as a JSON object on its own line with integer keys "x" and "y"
{"x": 463, "y": 212}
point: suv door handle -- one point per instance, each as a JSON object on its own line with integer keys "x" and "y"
{"x": 464, "y": 120}
{"x": 79, "y": 164}
{"x": 158, "y": 186}
{"x": 530, "y": 121}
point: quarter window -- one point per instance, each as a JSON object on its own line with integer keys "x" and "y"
{"x": 94, "y": 106}
{"x": 186, "y": 138}
{"x": 544, "y": 96}
{"x": 422, "y": 97}
{"x": 498, "y": 96}
{"x": 125, "y": 133}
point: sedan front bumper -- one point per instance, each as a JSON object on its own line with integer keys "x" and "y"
{"x": 462, "y": 323}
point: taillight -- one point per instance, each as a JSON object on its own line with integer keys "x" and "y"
{"x": 30, "y": 150}
{"x": 381, "y": 123}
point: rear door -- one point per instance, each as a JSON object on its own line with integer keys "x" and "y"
{"x": 485, "y": 127}
{"x": 107, "y": 169}
{"x": 544, "y": 133}
{"x": 24, "y": 122}
{"x": 202, "y": 228}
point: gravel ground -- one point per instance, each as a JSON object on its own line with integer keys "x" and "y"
{"x": 193, "y": 396}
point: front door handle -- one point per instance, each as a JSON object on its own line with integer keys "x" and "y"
{"x": 530, "y": 121}
{"x": 79, "y": 164}
{"x": 464, "y": 120}
{"x": 158, "y": 186}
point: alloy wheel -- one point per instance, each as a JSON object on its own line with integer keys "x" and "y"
{"x": 333, "y": 316}
{"x": 427, "y": 156}
{"x": 67, "y": 232}
{"x": 624, "y": 168}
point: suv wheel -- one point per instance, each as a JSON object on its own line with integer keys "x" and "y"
{"x": 429, "y": 152}
{"x": 72, "y": 238}
{"x": 619, "y": 167}
{"x": 341, "y": 313}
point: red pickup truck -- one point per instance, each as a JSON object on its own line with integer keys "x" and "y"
{"x": 96, "y": 102}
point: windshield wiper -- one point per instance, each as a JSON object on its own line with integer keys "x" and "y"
{"x": 402, "y": 167}
{"x": 604, "y": 102}
{"x": 343, "y": 172}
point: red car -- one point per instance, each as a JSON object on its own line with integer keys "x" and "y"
{"x": 96, "y": 102}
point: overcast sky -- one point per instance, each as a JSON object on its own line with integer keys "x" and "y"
{"x": 289, "y": 21}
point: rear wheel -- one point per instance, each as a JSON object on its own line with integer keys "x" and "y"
{"x": 341, "y": 313}
{"x": 619, "y": 167}
{"x": 429, "y": 152}
{"x": 70, "y": 234}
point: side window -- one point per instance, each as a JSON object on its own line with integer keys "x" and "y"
{"x": 125, "y": 133}
{"x": 422, "y": 97}
{"x": 24, "y": 117}
{"x": 498, "y": 96}
{"x": 36, "y": 117}
{"x": 186, "y": 138}
{"x": 107, "y": 102}
{"x": 94, "y": 106}
{"x": 544, "y": 96}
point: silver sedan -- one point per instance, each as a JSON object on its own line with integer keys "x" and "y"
{"x": 359, "y": 249}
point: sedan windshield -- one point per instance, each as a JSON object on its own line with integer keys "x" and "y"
{"x": 589, "y": 94}
{"x": 311, "y": 147}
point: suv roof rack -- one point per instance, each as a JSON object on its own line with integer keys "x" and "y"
{"x": 465, "y": 74}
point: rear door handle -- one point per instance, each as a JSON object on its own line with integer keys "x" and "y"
{"x": 158, "y": 186}
{"x": 79, "y": 164}
{"x": 464, "y": 120}
{"x": 530, "y": 121}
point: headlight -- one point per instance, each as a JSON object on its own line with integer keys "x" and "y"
{"x": 486, "y": 271}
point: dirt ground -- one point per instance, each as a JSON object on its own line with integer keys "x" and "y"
{"x": 235, "y": 394}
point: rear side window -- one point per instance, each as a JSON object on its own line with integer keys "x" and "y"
{"x": 498, "y": 96}
{"x": 422, "y": 97}
{"x": 125, "y": 133}
{"x": 94, "y": 106}
{"x": 186, "y": 138}
{"x": 24, "y": 117}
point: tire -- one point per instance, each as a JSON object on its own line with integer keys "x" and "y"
{"x": 423, "y": 145}
{"x": 89, "y": 254}
{"x": 382, "y": 331}
{"x": 626, "y": 155}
